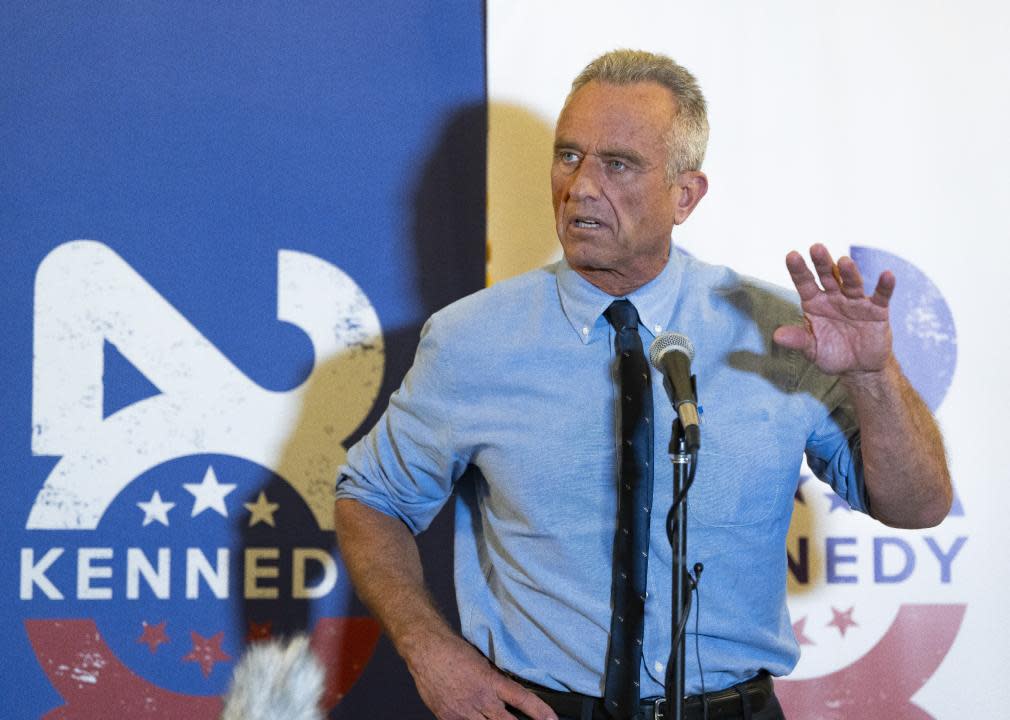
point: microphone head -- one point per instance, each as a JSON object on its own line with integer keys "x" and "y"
{"x": 669, "y": 342}
{"x": 276, "y": 679}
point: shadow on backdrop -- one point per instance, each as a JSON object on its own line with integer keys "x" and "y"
{"x": 447, "y": 204}
{"x": 520, "y": 222}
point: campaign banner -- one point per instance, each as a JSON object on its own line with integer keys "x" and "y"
{"x": 223, "y": 226}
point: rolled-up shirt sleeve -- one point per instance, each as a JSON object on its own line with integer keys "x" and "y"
{"x": 407, "y": 464}
{"x": 833, "y": 448}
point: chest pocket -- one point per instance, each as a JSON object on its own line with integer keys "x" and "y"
{"x": 743, "y": 471}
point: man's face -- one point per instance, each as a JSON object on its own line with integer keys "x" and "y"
{"x": 613, "y": 204}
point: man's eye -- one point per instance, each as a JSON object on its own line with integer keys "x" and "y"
{"x": 567, "y": 156}
{"x": 618, "y": 165}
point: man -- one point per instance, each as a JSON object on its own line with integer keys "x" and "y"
{"x": 519, "y": 381}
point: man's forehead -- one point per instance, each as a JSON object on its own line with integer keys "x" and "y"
{"x": 635, "y": 107}
{"x": 644, "y": 94}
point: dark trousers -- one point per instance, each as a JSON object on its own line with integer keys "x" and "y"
{"x": 736, "y": 707}
{"x": 771, "y": 711}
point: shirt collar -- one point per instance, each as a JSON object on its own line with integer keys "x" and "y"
{"x": 583, "y": 303}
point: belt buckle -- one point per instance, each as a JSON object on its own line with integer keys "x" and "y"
{"x": 659, "y": 708}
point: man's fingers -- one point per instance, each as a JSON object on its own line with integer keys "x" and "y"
{"x": 498, "y": 713}
{"x": 794, "y": 337}
{"x": 885, "y": 288}
{"x": 826, "y": 269}
{"x": 802, "y": 278}
{"x": 523, "y": 700}
{"x": 851, "y": 280}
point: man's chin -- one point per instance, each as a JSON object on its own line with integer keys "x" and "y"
{"x": 586, "y": 259}
{"x": 584, "y": 247}
{"x": 578, "y": 254}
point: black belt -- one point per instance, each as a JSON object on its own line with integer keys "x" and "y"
{"x": 737, "y": 701}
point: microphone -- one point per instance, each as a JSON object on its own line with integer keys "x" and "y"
{"x": 274, "y": 680}
{"x": 671, "y": 354}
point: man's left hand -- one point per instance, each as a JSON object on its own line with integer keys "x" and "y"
{"x": 846, "y": 332}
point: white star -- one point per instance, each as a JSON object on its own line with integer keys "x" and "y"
{"x": 209, "y": 493}
{"x": 155, "y": 509}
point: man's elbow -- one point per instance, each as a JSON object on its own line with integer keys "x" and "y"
{"x": 938, "y": 509}
{"x": 926, "y": 511}
{"x": 349, "y": 512}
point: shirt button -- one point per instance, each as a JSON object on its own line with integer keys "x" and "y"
{"x": 658, "y": 665}
{"x": 585, "y": 331}
{"x": 658, "y": 328}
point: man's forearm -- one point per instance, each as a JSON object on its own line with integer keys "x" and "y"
{"x": 453, "y": 679}
{"x": 381, "y": 555}
{"x": 904, "y": 462}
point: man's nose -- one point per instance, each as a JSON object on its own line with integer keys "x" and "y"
{"x": 585, "y": 180}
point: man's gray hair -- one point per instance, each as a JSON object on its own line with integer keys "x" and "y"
{"x": 689, "y": 133}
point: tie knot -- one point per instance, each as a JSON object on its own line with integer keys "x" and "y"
{"x": 622, "y": 315}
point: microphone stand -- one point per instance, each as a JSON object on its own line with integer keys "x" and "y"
{"x": 676, "y": 528}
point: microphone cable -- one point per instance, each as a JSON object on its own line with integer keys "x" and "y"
{"x": 698, "y": 567}
{"x": 694, "y": 581}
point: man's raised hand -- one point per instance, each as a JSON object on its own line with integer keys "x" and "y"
{"x": 846, "y": 331}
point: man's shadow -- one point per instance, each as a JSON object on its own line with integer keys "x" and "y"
{"x": 778, "y": 367}
{"x": 448, "y": 241}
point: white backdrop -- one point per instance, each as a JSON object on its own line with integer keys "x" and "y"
{"x": 878, "y": 125}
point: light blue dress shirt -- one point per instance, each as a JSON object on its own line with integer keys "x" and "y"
{"x": 519, "y": 380}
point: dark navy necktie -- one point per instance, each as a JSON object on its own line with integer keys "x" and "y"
{"x": 631, "y": 544}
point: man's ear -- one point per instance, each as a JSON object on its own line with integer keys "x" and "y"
{"x": 689, "y": 188}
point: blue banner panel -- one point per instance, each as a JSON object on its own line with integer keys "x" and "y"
{"x": 223, "y": 226}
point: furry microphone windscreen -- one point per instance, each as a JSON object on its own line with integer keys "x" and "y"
{"x": 274, "y": 680}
